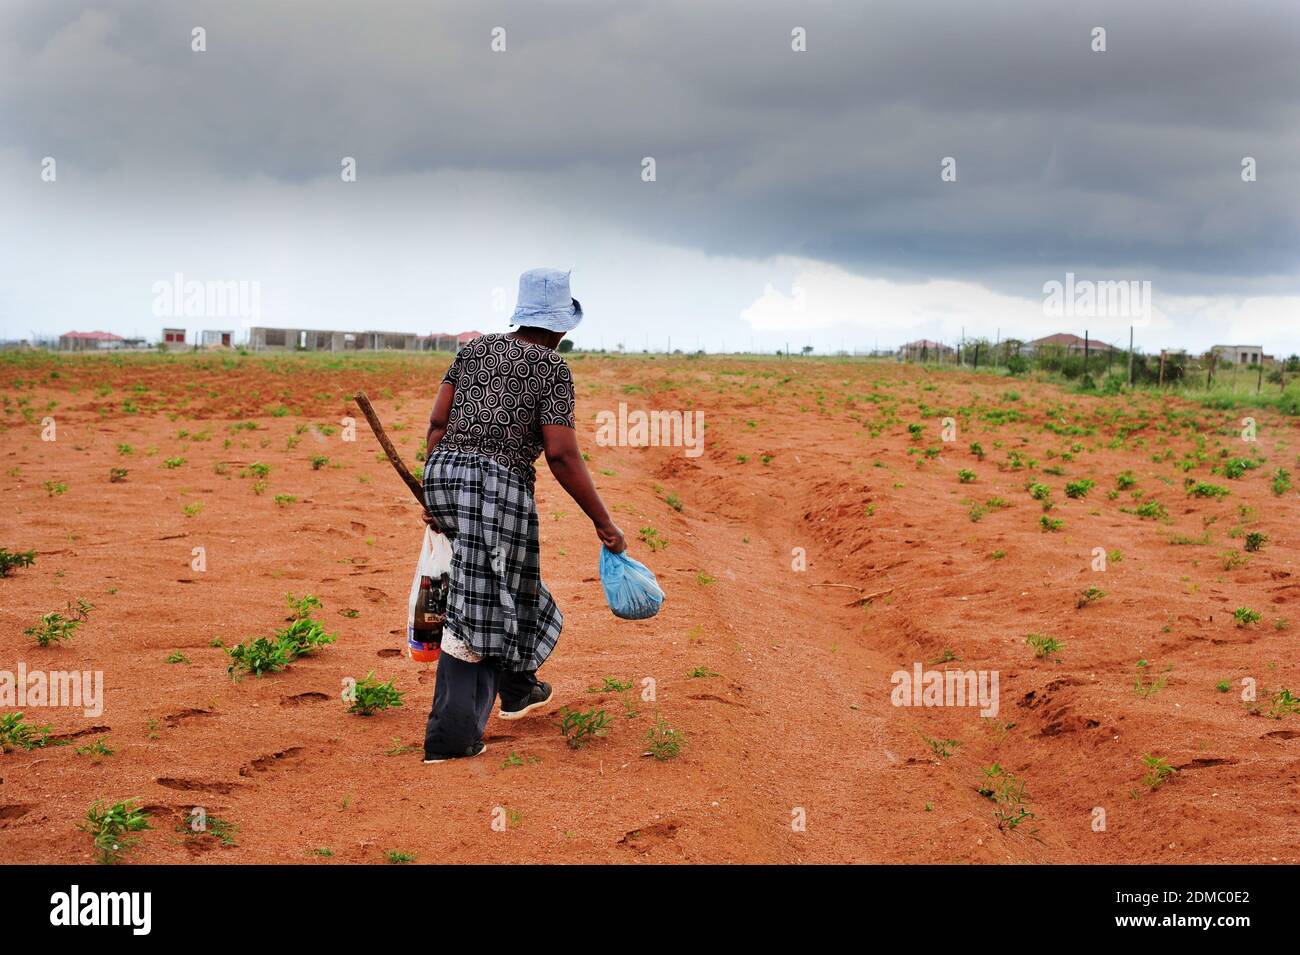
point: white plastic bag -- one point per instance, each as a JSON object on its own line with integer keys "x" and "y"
{"x": 426, "y": 610}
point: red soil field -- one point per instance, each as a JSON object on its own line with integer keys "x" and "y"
{"x": 778, "y": 678}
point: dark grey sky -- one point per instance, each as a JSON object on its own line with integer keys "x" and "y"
{"x": 795, "y": 170}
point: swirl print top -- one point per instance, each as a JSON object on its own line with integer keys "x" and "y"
{"x": 506, "y": 389}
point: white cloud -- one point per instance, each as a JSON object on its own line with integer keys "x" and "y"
{"x": 826, "y": 296}
{"x": 822, "y": 296}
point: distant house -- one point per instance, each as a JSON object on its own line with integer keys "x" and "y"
{"x": 925, "y": 350}
{"x": 1241, "y": 354}
{"x": 1064, "y": 341}
{"x": 173, "y": 337}
{"x": 83, "y": 341}
{"x": 307, "y": 339}
{"x": 443, "y": 341}
{"x": 217, "y": 339}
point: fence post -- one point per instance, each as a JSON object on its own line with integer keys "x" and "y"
{"x": 1130, "y": 356}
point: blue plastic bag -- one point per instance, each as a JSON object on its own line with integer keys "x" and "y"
{"x": 630, "y": 586}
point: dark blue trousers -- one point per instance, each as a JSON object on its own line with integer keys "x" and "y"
{"x": 463, "y": 698}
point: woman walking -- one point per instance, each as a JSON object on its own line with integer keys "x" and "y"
{"x": 505, "y": 400}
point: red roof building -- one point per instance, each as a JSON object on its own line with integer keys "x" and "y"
{"x": 77, "y": 341}
{"x": 444, "y": 341}
{"x": 1068, "y": 342}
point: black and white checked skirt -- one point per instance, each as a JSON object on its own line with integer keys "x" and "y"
{"x": 497, "y": 602}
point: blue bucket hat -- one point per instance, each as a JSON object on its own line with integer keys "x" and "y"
{"x": 545, "y": 302}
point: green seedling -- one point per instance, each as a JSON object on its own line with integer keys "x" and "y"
{"x": 57, "y": 627}
{"x": 96, "y": 749}
{"x": 1008, "y": 795}
{"x": 370, "y": 696}
{"x": 213, "y": 826}
{"x": 1091, "y": 595}
{"x": 1044, "y": 647}
{"x": 304, "y": 636}
{"x": 611, "y": 685}
{"x": 1158, "y": 771}
{"x": 1080, "y": 488}
{"x": 110, "y": 828}
{"x": 579, "y": 728}
{"x": 942, "y": 748}
{"x": 652, "y": 538}
{"x": 664, "y": 742}
{"x": 1244, "y": 616}
{"x": 257, "y": 657}
{"x": 301, "y": 608}
{"x": 9, "y": 561}
{"x": 1232, "y": 560}
{"x": 1153, "y": 510}
{"x": 1283, "y": 703}
{"x": 17, "y": 734}
{"x": 1149, "y": 688}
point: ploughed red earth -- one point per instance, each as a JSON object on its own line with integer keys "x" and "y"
{"x": 814, "y": 547}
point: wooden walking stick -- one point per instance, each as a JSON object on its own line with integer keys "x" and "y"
{"x": 368, "y": 410}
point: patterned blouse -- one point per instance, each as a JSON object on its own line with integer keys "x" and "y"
{"x": 506, "y": 389}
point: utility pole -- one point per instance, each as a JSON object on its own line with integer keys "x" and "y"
{"x": 1130, "y": 356}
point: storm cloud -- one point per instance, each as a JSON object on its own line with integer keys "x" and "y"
{"x": 1125, "y": 163}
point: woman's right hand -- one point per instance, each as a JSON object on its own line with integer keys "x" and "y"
{"x": 430, "y": 521}
{"x": 611, "y": 537}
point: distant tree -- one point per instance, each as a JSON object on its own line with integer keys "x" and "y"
{"x": 807, "y": 349}
{"x": 566, "y": 346}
